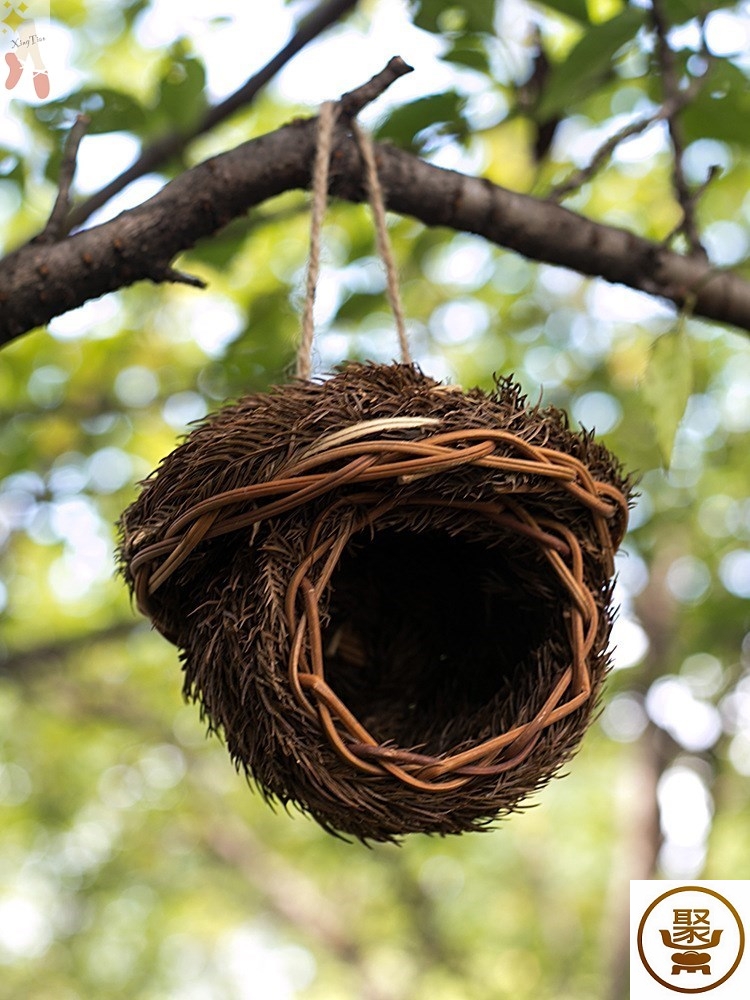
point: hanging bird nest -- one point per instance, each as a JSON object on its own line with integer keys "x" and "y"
{"x": 392, "y": 597}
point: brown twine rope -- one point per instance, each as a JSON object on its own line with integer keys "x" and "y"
{"x": 375, "y": 192}
{"x": 326, "y": 123}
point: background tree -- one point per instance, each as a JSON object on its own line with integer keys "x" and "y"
{"x": 609, "y": 139}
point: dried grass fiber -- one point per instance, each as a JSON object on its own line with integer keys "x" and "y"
{"x": 392, "y": 597}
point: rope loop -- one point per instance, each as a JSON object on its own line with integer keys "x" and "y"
{"x": 329, "y": 113}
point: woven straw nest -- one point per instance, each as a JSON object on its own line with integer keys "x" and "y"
{"x": 392, "y": 597}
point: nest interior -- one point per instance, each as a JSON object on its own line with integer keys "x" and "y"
{"x": 392, "y": 597}
{"x": 427, "y": 629}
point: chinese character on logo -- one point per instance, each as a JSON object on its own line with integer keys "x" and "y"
{"x": 691, "y": 932}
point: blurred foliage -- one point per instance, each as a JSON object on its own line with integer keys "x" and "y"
{"x": 134, "y": 861}
{"x": 666, "y": 385}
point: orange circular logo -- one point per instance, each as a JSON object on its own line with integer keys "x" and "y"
{"x": 691, "y": 939}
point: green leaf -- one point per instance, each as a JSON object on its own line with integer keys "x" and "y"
{"x": 427, "y": 14}
{"x": 181, "y": 89}
{"x": 131, "y": 10}
{"x": 357, "y": 307}
{"x": 404, "y": 125}
{"x": 12, "y": 166}
{"x": 469, "y": 51}
{"x": 54, "y": 160}
{"x": 575, "y": 9}
{"x": 220, "y": 249}
{"x": 472, "y": 15}
{"x": 679, "y": 11}
{"x": 109, "y": 110}
{"x": 722, "y": 108}
{"x": 589, "y": 62}
{"x": 667, "y": 384}
{"x": 480, "y": 15}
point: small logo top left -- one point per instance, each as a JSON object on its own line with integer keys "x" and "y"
{"x": 22, "y": 30}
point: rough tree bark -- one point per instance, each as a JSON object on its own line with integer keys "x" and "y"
{"x": 53, "y": 274}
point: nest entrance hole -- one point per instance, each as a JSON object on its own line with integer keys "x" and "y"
{"x": 427, "y": 627}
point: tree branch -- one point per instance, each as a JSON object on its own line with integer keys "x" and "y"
{"x": 25, "y": 664}
{"x": 40, "y": 282}
{"x": 167, "y": 147}
{"x": 671, "y": 85}
{"x": 667, "y": 111}
{"x": 55, "y": 227}
{"x": 353, "y": 101}
{"x": 579, "y": 177}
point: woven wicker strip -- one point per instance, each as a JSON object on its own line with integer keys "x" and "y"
{"x": 392, "y": 596}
